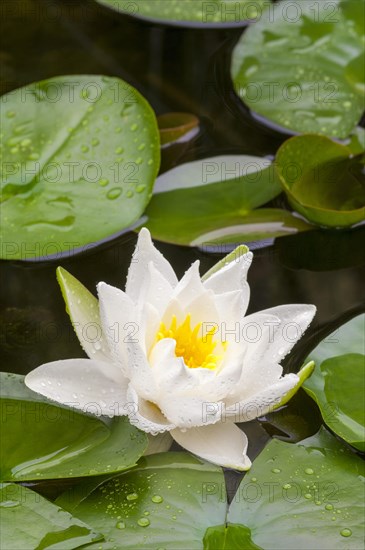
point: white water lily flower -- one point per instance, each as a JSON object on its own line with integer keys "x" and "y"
{"x": 178, "y": 356}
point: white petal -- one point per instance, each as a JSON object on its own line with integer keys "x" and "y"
{"x": 140, "y": 373}
{"x": 119, "y": 321}
{"x": 232, "y": 305}
{"x": 145, "y": 253}
{"x": 173, "y": 308}
{"x": 294, "y": 321}
{"x": 150, "y": 325}
{"x": 83, "y": 309}
{"x": 187, "y": 411}
{"x": 232, "y": 276}
{"x": 92, "y": 386}
{"x": 146, "y": 415}
{"x": 223, "y": 444}
{"x": 179, "y": 398}
{"x": 262, "y": 402}
{"x": 255, "y": 337}
{"x": 159, "y": 290}
{"x": 190, "y": 286}
{"x": 202, "y": 309}
{"x": 172, "y": 376}
{"x": 159, "y": 443}
{"x": 225, "y": 379}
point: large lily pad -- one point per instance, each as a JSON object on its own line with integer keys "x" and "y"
{"x": 168, "y": 501}
{"x": 76, "y": 150}
{"x": 29, "y": 521}
{"x": 211, "y": 200}
{"x": 190, "y": 12}
{"x": 41, "y": 440}
{"x": 304, "y": 496}
{"x": 338, "y": 381}
{"x": 316, "y": 83}
{"x": 323, "y": 180}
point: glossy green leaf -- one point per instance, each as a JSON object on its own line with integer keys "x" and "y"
{"x": 41, "y": 440}
{"x": 230, "y": 537}
{"x": 316, "y": 83}
{"x": 307, "y": 496}
{"x": 176, "y": 126}
{"x": 190, "y": 12}
{"x": 217, "y": 225}
{"x": 302, "y": 496}
{"x": 197, "y": 199}
{"x": 76, "y": 150}
{"x": 322, "y": 180}
{"x": 338, "y": 381}
{"x": 167, "y": 501}
{"x": 30, "y": 522}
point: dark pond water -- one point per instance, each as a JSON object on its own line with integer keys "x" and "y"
{"x": 176, "y": 69}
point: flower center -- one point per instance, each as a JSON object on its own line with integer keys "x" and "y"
{"x": 197, "y": 351}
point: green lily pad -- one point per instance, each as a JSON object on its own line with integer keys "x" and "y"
{"x": 166, "y": 223}
{"x": 167, "y": 501}
{"x": 307, "y": 496}
{"x": 230, "y": 537}
{"x": 303, "y": 496}
{"x": 338, "y": 382}
{"x": 316, "y": 82}
{"x": 211, "y": 200}
{"x": 76, "y": 149}
{"x": 29, "y": 521}
{"x": 323, "y": 180}
{"x": 41, "y": 440}
{"x": 190, "y": 12}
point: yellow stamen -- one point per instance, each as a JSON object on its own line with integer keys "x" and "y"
{"x": 197, "y": 351}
